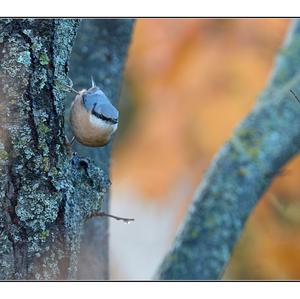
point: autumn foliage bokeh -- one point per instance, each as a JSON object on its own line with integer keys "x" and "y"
{"x": 188, "y": 84}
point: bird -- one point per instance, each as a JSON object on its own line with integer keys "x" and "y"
{"x": 93, "y": 118}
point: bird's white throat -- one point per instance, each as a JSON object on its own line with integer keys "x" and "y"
{"x": 102, "y": 124}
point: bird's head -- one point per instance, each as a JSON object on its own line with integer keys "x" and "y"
{"x": 97, "y": 102}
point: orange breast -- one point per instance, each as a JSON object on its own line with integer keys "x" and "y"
{"x": 84, "y": 131}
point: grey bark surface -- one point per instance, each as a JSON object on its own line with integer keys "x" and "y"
{"x": 239, "y": 174}
{"x": 100, "y": 51}
{"x": 46, "y": 195}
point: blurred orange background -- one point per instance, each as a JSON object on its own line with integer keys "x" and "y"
{"x": 188, "y": 83}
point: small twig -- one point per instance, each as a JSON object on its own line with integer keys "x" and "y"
{"x": 295, "y": 96}
{"x": 72, "y": 89}
{"x": 101, "y": 214}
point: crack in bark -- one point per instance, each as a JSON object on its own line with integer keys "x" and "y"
{"x": 27, "y": 97}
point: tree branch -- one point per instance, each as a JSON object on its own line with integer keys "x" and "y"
{"x": 239, "y": 174}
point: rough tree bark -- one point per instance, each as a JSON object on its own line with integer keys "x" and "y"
{"x": 100, "y": 51}
{"x": 239, "y": 174}
{"x": 45, "y": 195}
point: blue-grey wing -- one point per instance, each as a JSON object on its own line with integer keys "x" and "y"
{"x": 108, "y": 110}
{"x": 98, "y": 102}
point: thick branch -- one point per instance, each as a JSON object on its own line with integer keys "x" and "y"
{"x": 239, "y": 174}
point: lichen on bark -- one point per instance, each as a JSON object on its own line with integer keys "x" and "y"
{"x": 45, "y": 194}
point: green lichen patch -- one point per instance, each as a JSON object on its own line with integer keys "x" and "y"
{"x": 243, "y": 171}
{"x": 44, "y": 59}
{"x": 247, "y": 141}
{"x": 44, "y": 234}
{"x": 43, "y": 128}
{"x": 4, "y": 155}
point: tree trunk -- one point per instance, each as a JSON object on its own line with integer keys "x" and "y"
{"x": 100, "y": 51}
{"x": 46, "y": 195}
{"x": 239, "y": 174}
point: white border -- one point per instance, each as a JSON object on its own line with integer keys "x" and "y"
{"x": 151, "y": 290}
{"x": 153, "y": 8}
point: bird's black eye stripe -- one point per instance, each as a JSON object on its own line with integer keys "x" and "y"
{"x": 83, "y": 98}
{"x": 101, "y": 116}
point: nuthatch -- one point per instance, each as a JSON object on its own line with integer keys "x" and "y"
{"x": 93, "y": 118}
